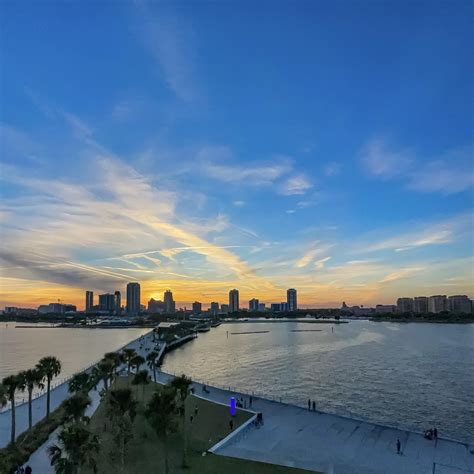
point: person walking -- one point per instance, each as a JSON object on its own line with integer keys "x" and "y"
{"x": 435, "y": 433}
{"x": 314, "y": 405}
{"x": 250, "y": 401}
{"x": 28, "y": 470}
{"x": 195, "y": 410}
{"x": 309, "y": 403}
{"x": 231, "y": 425}
{"x": 398, "y": 446}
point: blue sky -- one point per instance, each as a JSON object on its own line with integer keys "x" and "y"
{"x": 325, "y": 146}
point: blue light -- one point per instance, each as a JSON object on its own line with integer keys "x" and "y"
{"x": 232, "y": 406}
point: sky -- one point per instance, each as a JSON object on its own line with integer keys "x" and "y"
{"x": 203, "y": 146}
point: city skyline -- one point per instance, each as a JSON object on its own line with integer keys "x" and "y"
{"x": 345, "y": 172}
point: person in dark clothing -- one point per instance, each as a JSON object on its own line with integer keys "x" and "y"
{"x": 398, "y": 446}
{"x": 231, "y": 425}
{"x": 435, "y": 433}
{"x": 195, "y": 410}
{"x": 250, "y": 402}
{"x": 314, "y": 405}
{"x": 28, "y": 470}
{"x": 191, "y": 418}
{"x": 309, "y": 403}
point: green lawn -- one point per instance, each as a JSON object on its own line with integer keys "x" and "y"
{"x": 145, "y": 451}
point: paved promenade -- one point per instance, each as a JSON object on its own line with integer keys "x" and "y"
{"x": 295, "y": 437}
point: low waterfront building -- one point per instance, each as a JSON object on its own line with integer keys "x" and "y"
{"x": 261, "y": 307}
{"x": 224, "y": 308}
{"x": 156, "y": 306}
{"x": 385, "y": 308}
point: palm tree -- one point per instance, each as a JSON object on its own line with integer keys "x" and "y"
{"x": 181, "y": 386}
{"x": 11, "y": 384}
{"x": 141, "y": 378}
{"x": 122, "y": 409}
{"x": 29, "y": 379}
{"x": 106, "y": 368}
{"x": 116, "y": 358}
{"x": 160, "y": 414}
{"x": 75, "y": 406}
{"x": 49, "y": 367}
{"x": 129, "y": 354}
{"x": 137, "y": 361}
{"x": 76, "y": 447}
{"x": 79, "y": 382}
{"x": 151, "y": 362}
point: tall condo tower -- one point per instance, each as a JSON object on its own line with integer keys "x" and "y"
{"x": 291, "y": 300}
{"x": 89, "y": 300}
{"x": 233, "y": 300}
{"x": 170, "y": 306}
{"x": 118, "y": 302}
{"x": 133, "y": 298}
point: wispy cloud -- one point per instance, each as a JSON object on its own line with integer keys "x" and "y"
{"x": 295, "y": 185}
{"x": 171, "y": 41}
{"x": 320, "y": 263}
{"x": 452, "y": 173}
{"x": 383, "y": 162}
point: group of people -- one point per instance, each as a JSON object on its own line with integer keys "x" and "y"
{"x": 242, "y": 403}
{"x": 432, "y": 433}
{"x": 311, "y": 405}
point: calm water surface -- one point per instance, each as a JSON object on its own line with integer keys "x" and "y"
{"x": 410, "y": 376}
{"x": 21, "y": 348}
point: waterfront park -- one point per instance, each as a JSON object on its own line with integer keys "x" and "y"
{"x": 125, "y": 415}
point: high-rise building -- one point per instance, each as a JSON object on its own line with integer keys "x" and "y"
{"x": 420, "y": 305}
{"x": 253, "y": 304}
{"x": 459, "y": 304}
{"x": 224, "y": 308}
{"x": 283, "y": 306}
{"x": 118, "y": 302}
{"x": 133, "y": 298}
{"x": 437, "y": 303}
{"x": 291, "y": 299}
{"x": 233, "y": 301}
{"x": 405, "y": 305}
{"x": 214, "y": 310}
{"x": 107, "y": 302}
{"x": 170, "y": 306}
{"x": 261, "y": 307}
{"x": 89, "y": 300}
{"x": 275, "y": 307}
{"x": 197, "y": 307}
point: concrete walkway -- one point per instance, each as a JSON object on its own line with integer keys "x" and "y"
{"x": 295, "y": 437}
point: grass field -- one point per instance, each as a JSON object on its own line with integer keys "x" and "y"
{"x": 145, "y": 451}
